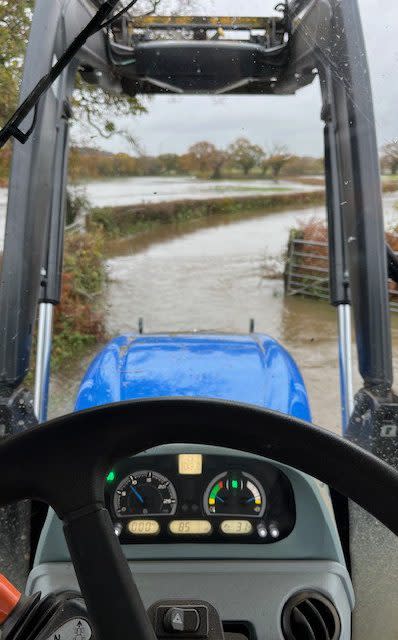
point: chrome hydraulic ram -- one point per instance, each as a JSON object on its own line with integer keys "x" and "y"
{"x": 43, "y": 360}
{"x": 345, "y": 363}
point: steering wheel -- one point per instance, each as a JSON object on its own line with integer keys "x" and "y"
{"x": 64, "y": 463}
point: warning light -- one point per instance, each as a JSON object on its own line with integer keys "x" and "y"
{"x": 190, "y": 464}
{"x": 235, "y": 484}
{"x": 111, "y": 476}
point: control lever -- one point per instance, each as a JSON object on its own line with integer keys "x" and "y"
{"x": 58, "y": 616}
{"x": 9, "y": 599}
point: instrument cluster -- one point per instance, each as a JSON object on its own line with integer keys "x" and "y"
{"x": 193, "y": 497}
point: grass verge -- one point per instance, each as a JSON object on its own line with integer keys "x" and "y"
{"x": 79, "y": 320}
{"x": 123, "y": 221}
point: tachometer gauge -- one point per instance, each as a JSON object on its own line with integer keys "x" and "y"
{"x": 235, "y": 493}
{"x": 145, "y": 493}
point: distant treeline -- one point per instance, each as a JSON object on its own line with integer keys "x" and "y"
{"x": 203, "y": 159}
{"x": 242, "y": 158}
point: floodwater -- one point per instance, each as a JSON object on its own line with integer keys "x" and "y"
{"x": 215, "y": 275}
{"x": 128, "y": 191}
{"x": 132, "y": 191}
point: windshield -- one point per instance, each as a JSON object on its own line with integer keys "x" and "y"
{"x": 202, "y": 175}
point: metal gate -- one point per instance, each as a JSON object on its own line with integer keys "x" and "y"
{"x": 307, "y": 271}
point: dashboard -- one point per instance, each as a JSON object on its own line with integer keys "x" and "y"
{"x": 195, "y": 497}
{"x": 244, "y": 533}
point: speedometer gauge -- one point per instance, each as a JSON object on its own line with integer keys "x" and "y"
{"x": 144, "y": 493}
{"x": 235, "y": 493}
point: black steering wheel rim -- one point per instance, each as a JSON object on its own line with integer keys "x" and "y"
{"x": 64, "y": 463}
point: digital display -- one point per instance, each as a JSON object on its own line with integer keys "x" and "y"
{"x": 236, "y": 527}
{"x": 190, "y": 527}
{"x": 190, "y": 464}
{"x": 143, "y": 527}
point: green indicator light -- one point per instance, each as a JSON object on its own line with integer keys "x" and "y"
{"x": 235, "y": 484}
{"x": 111, "y": 476}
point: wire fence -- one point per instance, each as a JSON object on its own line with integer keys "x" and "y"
{"x": 307, "y": 271}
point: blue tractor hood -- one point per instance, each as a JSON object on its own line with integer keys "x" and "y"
{"x": 254, "y": 369}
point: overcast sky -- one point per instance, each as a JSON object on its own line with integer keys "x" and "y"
{"x": 174, "y": 123}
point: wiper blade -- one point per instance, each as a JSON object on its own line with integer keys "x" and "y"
{"x": 98, "y": 22}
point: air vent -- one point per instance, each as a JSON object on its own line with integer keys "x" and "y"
{"x": 308, "y": 615}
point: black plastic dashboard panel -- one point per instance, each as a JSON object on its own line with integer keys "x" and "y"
{"x": 271, "y": 521}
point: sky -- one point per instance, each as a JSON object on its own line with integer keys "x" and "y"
{"x": 173, "y": 123}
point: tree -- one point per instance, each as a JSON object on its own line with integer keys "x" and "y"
{"x": 204, "y": 158}
{"x": 91, "y": 104}
{"x": 264, "y": 164}
{"x": 100, "y": 110}
{"x": 199, "y": 154}
{"x": 217, "y": 160}
{"x": 304, "y": 165}
{"x": 168, "y": 162}
{"x": 148, "y": 166}
{"x": 278, "y": 157}
{"x": 390, "y": 155}
{"x": 184, "y": 164}
{"x": 15, "y": 19}
{"x": 5, "y": 161}
{"x": 245, "y": 154}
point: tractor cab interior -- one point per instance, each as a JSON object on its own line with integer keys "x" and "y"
{"x": 189, "y": 495}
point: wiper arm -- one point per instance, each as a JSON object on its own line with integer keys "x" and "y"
{"x": 98, "y": 22}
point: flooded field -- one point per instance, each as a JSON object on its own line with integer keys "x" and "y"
{"x": 125, "y": 191}
{"x": 214, "y": 276}
{"x": 131, "y": 191}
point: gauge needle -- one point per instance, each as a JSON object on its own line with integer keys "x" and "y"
{"x": 219, "y": 499}
{"x": 249, "y": 500}
{"x": 138, "y": 495}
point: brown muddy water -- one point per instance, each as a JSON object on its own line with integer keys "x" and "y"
{"x": 214, "y": 275}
